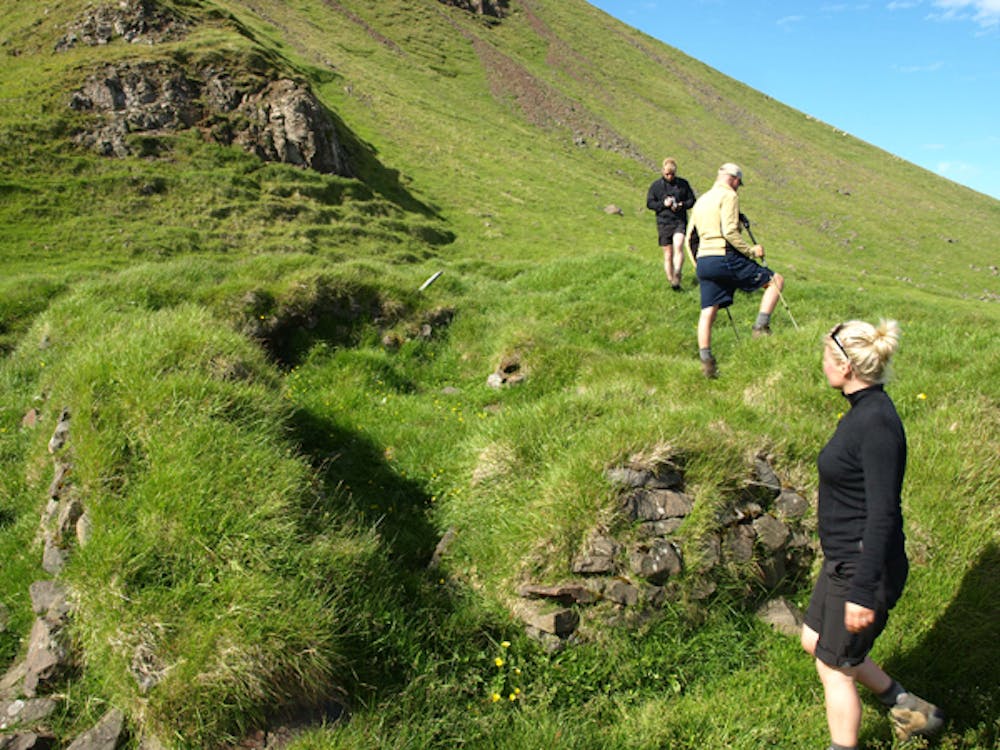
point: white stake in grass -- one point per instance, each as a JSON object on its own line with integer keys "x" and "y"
{"x": 431, "y": 280}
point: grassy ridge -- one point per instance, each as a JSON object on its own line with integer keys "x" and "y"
{"x": 261, "y": 527}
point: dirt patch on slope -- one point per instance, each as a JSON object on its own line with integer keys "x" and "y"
{"x": 545, "y": 107}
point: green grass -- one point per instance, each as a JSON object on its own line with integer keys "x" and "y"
{"x": 267, "y": 480}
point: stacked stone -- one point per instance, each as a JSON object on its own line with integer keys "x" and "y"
{"x": 759, "y": 536}
{"x": 26, "y": 702}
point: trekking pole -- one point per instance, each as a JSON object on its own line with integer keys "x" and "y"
{"x": 746, "y": 223}
{"x": 733, "y": 323}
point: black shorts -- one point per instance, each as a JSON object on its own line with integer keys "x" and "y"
{"x": 667, "y": 231}
{"x": 836, "y": 646}
{"x": 721, "y": 275}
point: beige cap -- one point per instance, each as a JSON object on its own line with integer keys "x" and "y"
{"x": 731, "y": 169}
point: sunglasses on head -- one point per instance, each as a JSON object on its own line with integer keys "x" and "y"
{"x": 833, "y": 337}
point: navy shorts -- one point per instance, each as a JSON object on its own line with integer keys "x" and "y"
{"x": 722, "y": 275}
{"x": 667, "y": 231}
{"x": 837, "y": 647}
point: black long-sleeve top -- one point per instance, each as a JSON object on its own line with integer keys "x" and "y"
{"x": 860, "y": 483}
{"x": 681, "y": 191}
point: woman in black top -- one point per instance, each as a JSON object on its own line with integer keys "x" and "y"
{"x": 861, "y": 532}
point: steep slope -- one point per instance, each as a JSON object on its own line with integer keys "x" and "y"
{"x": 271, "y": 428}
{"x": 609, "y": 103}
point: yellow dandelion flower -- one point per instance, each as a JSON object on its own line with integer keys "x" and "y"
{"x": 922, "y": 396}
{"x": 495, "y": 697}
{"x": 517, "y": 670}
{"x": 504, "y": 644}
{"x": 517, "y": 691}
{"x": 498, "y": 661}
{"x": 512, "y": 697}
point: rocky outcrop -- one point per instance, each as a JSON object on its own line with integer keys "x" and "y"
{"x": 492, "y": 8}
{"x": 757, "y": 543}
{"x": 278, "y": 120}
{"x": 274, "y": 117}
{"x": 286, "y": 123}
{"x": 135, "y": 21}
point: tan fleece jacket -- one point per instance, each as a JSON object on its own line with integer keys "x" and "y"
{"x": 716, "y": 216}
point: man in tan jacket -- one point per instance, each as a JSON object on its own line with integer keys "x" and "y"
{"x": 725, "y": 261}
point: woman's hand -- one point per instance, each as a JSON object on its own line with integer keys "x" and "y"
{"x": 856, "y": 617}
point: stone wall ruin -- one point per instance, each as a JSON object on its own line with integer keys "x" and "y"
{"x": 760, "y": 546}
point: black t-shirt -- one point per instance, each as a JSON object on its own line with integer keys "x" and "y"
{"x": 680, "y": 190}
{"x": 860, "y": 482}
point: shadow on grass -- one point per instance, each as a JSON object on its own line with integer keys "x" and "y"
{"x": 362, "y": 157}
{"x": 955, "y": 665}
{"x": 355, "y": 472}
{"x": 412, "y": 615}
{"x": 366, "y": 166}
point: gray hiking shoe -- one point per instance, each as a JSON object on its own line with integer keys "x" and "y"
{"x": 912, "y": 716}
{"x": 708, "y": 368}
{"x": 757, "y": 331}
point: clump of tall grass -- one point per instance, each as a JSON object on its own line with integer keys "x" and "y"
{"x": 219, "y": 583}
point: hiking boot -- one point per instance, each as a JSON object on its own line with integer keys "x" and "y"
{"x": 757, "y": 331}
{"x": 708, "y": 368}
{"x": 912, "y": 716}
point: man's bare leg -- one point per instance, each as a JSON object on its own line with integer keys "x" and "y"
{"x": 678, "y": 259}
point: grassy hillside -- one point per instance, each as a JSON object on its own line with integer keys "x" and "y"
{"x": 269, "y": 446}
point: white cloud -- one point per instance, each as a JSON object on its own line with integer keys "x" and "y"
{"x": 902, "y": 4}
{"x": 930, "y": 68}
{"x": 844, "y": 7}
{"x": 986, "y": 13}
{"x": 788, "y": 20}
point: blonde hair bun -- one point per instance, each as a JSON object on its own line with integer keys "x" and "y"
{"x": 869, "y": 348}
{"x": 886, "y": 338}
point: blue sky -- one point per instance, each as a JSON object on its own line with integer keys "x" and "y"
{"x": 917, "y": 78}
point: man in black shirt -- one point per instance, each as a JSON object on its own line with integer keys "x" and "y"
{"x": 670, "y": 197}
